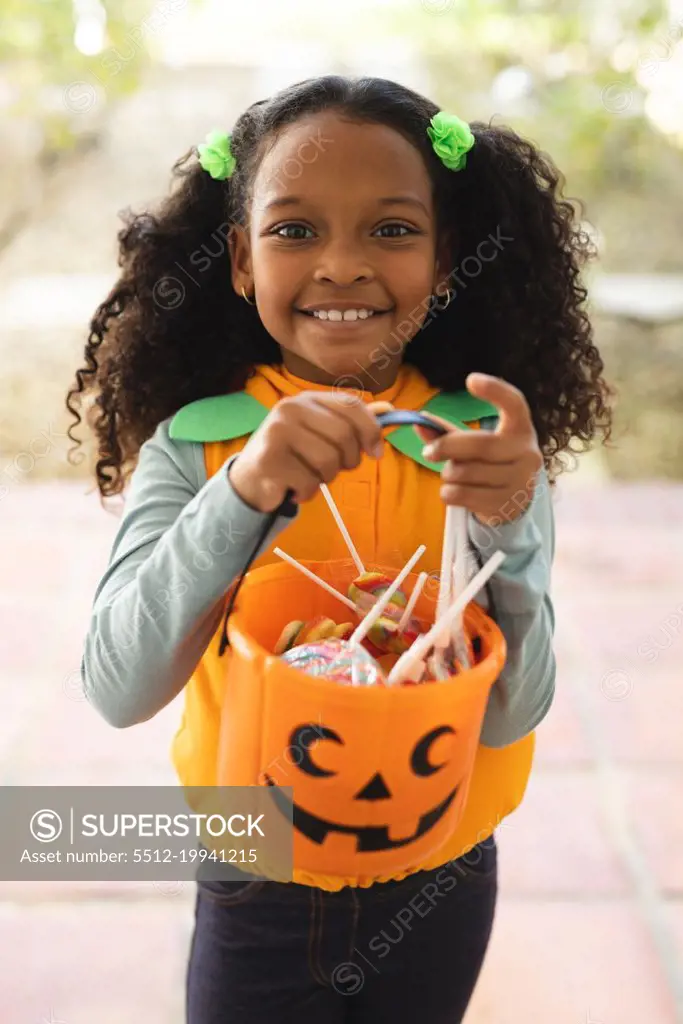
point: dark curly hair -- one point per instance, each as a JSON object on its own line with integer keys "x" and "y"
{"x": 167, "y": 335}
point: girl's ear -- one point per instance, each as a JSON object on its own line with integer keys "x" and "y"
{"x": 240, "y": 259}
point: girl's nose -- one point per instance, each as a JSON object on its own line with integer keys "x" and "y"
{"x": 343, "y": 266}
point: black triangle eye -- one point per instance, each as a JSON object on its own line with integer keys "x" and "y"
{"x": 419, "y": 762}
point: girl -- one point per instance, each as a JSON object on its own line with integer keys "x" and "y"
{"x": 347, "y": 244}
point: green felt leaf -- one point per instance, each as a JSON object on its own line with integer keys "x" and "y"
{"x": 225, "y": 417}
{"x": 218, "y": 418}
{"x": 459, "y": 407}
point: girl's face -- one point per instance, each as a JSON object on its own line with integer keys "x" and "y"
{"x": 342, "y": 219}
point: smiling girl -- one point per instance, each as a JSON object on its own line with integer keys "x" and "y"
{"x": 378, "y": 250}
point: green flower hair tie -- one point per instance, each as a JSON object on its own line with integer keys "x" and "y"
{"x": 451, "y": 138}
{"x": 215, "y": 155}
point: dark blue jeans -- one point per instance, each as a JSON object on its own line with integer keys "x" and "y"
{"x": 274, "y": 953}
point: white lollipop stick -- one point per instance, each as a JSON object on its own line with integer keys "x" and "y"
{"x": 444, "y": 599}
{"x": 459, "y": 581}
{"x": 342, "y": 527}
{"x": 457, "y": 576}
{"x": 316, "y": 579}
{"x": 371, "y": 618}
{"x": 412, "y": 601}
{"x": 415, "y": 655}
{"x": 447, "y": 556}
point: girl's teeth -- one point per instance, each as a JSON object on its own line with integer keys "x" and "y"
{"x": 348, "y": 314}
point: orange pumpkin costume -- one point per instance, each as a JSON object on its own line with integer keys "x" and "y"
{"x": 390, "y": 506}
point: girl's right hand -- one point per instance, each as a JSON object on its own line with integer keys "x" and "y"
{"x": 305, "y": 441}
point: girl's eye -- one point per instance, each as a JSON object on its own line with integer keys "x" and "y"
{"x": 297, "y": 232}
{"x": 395, "y": 228}
{"x": 291, "y": 227}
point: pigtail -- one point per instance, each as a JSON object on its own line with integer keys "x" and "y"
{"x": 518, "y": 311}
{"x": 171, "y": 331}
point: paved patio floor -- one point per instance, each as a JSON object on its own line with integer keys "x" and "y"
{"x": 589, "y": 926}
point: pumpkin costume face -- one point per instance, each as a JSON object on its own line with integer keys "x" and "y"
{"x": 369, "y": 838}
{"x": 379, "y": 775}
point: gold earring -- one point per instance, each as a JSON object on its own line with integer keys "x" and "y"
{"x": 245, "y": 296}
{"x": 439, "y": 308}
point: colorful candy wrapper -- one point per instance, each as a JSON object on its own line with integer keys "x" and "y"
{"x": 337, "y": 661}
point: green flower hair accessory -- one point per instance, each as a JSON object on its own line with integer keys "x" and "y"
{"x": 215, "y": 155}
{"x": 451, "y": 138}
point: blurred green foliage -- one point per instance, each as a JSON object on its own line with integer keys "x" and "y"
{"x": 559, "y": 56}
{"x": 48, "y": 80}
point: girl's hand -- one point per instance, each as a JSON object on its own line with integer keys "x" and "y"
{"x": 492, "y": 474}
{"x": 305, "y": 441}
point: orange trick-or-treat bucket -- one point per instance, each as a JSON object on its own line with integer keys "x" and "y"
{"x": 380, "y": 775}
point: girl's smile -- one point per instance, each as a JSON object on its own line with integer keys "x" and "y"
{"x": 342, "y": 319}
{"x": 340, "y": 249}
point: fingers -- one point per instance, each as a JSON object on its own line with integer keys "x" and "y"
{"x": 310, "y": 453}
{"x": 324, "y": 459}
{"x": 472, "y": 445}
{"x": 328, "y": 442}
{"x": 356, "y": 415}
{"x": 482, "y": 501}
{"x": 478, "y": 474}
{"x": 378, "y": 407}
{"x": 513, "y": 410}
{"x": 305, "y": 441}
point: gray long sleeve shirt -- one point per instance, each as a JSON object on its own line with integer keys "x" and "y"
{"x": 183, "y": 539}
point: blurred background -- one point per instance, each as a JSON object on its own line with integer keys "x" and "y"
{"x": 97, "y": 100}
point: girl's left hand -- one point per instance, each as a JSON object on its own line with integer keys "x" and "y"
{"x": 491, "y": 473}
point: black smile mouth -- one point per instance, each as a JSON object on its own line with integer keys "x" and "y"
{"x": 370, "y": 839}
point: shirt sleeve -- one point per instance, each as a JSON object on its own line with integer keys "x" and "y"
{"x": 522, "y": 607}
{"x": 183, "y": 539}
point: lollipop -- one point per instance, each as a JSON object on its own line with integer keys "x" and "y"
{"x": 337, "y": 661}
{"x": 384, "y": 637}
{"x": 367, "y": 587}
{"x": 387, "y": 637}
{"x": 386, "y": 601}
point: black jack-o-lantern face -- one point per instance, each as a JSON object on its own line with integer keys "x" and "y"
{"x": 369, "y": 838}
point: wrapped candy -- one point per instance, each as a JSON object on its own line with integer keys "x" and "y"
{"x": 337, "y": 661}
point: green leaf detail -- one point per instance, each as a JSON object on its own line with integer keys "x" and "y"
{"x": 226, "y": 417}
{"x": 219, "y": 418}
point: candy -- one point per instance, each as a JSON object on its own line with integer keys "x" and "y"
{"x": 383, "y": 637}
{"x": 367, "y": 587}
{"x": 288, "y": 636}
{"x": 337, "y": 661}
{"x": 319, "y": 628}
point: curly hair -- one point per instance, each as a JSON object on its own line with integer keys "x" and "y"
{"x": 172, "y": 330}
